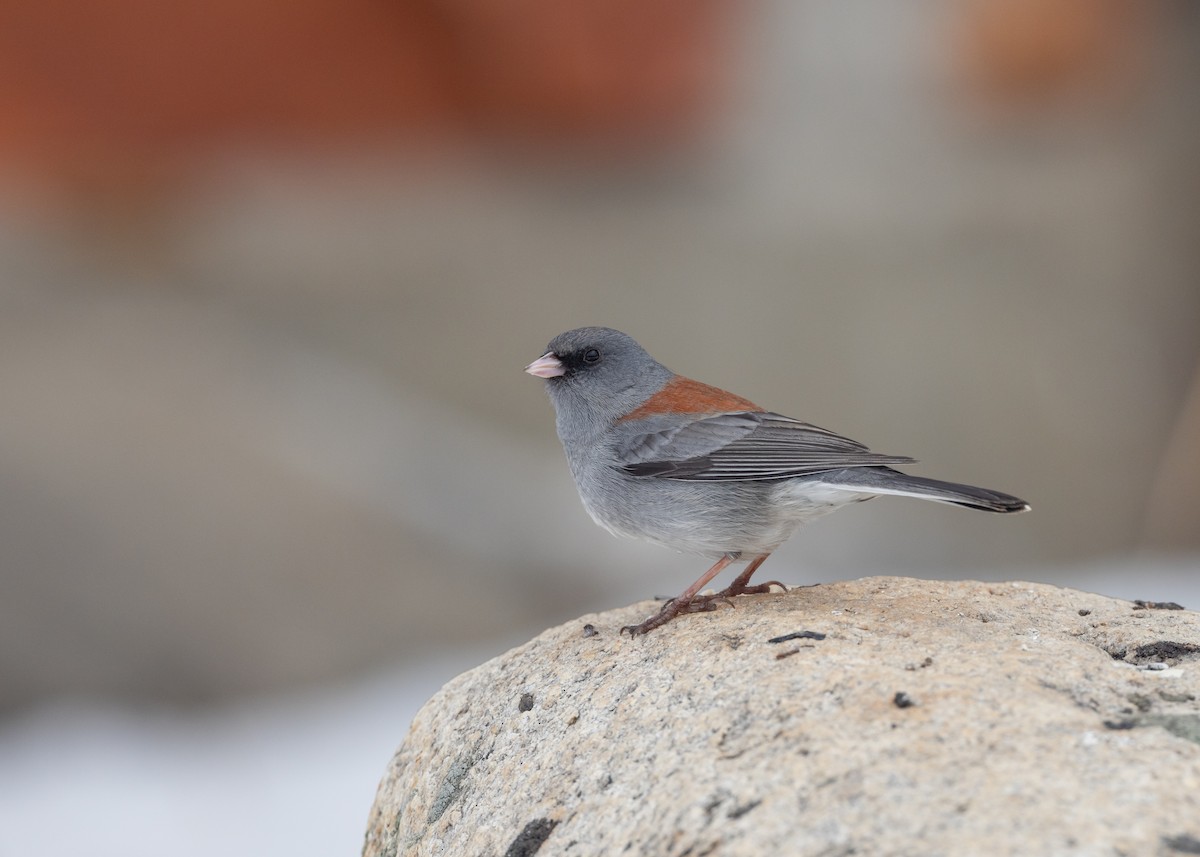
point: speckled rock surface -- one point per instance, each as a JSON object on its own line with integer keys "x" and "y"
{"x": 933, "y": 718}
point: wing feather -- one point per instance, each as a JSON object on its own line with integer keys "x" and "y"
{"x": 750, "y": 445}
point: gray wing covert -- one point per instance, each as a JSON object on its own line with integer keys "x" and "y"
{"x": 741, "y": 446}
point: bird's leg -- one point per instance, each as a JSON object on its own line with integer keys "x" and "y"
{"x": 686, "y": 601}
{"x": 739, "y": 587}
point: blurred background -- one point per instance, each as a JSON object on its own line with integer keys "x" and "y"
{"x": 270, "y": 471}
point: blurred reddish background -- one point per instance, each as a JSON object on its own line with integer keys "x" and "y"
{"x": 110, "y": 96}
{"x": 1024, "y": 54}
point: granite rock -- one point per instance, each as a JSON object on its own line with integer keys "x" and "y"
{"x": 894, "y": 717}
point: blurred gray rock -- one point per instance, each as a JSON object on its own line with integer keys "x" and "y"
{"x": 933, "y": 718}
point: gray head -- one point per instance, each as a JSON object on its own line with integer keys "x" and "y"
{"x": 594, "y": 376}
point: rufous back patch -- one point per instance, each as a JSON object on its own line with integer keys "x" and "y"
{"x": 685, "y": 396}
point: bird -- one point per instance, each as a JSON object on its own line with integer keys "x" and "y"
{"x": 663, "y": 458}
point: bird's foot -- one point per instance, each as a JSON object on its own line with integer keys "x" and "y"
{"x": 690, "y": 602}
{"x": 738, "y": 588}
{"x": 672, "y": 608}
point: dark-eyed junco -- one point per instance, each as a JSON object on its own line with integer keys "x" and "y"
{"x": 661, "y": 457}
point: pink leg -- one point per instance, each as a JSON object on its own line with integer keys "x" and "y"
{"x": 689, "y": 602}
{"x": 682, "y": 602}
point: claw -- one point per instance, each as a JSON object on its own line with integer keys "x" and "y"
{"x": 757, "y": 589}
{"x": 672, "y": 608}
{"x": 690, "y": 602}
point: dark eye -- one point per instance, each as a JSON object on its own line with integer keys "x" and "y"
{"x": 591, "y": 356}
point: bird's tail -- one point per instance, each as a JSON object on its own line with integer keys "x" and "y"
{"x": 885, "y": 480}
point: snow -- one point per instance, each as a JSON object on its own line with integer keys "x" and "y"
{"x": 289, "y": 776}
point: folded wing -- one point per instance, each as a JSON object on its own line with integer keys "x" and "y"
{"x": 741, "y": 446}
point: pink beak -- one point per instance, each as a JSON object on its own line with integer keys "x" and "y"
{"x": 546, "y": 366}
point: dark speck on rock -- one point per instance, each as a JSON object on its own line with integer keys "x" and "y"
{"x": 739, "y": 811}
{"x": 903, "y": 700}
{"x": 1184, "y": 843}
{"x": 1163, "y": 650}
{"x": 589, "y": 630}
{"x": 798, "y": 635}
{"x": 526, "y": 702}
{"x": 531, "y": 838}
